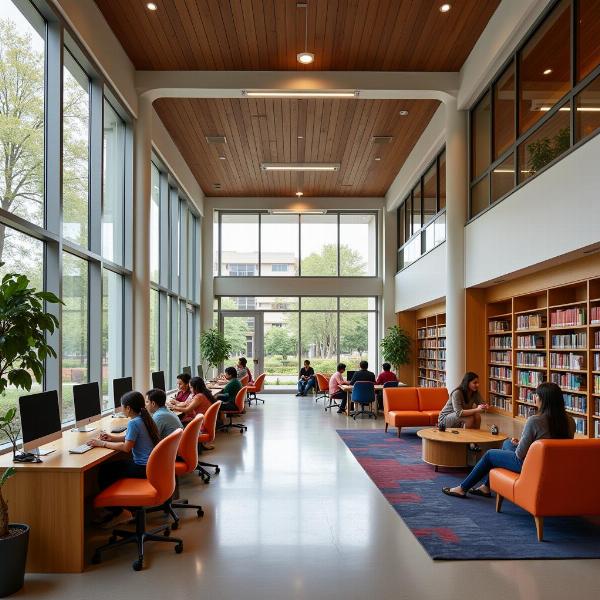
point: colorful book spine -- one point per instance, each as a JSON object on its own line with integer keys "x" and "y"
{"x": 500, "y": 387}
{"x": 570, "y": 341}
{"x": 531, "y": 341}
{"x": 504, "y": 341}
{"x": 562, "y": 360}
{"x": 533, "y": 321}
{"x": 527, "y": 395}
{"x": 501, "y": 402}
{"x": 500, "y": 357}
{"x": 569, "y": 381}
{"x": 500, "y": 372}
{"x": 575, "y": 403}
{"x": 531, "y": 359}
{"x": 498, "y": 326}
{"x": 567, "y": 317}
{"x": 531, "y": 378}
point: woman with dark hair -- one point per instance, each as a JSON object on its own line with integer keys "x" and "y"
{"x": 198, "y": 402}
{"x": 465, "y": 404}
{"x": 229, "y": 392}
{"x": 137, "y": 442}
{"x": 550, "y": 422}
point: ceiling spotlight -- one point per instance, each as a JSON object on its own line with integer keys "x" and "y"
{"x": 403, "y": 113}
{"x": 378, "y": 158}
{"x": 222, "y": 157}
{"x": 547, "y": 71}
{"x": 445, "y": 8}
{"x": 306, "y": 57}
{"x": 151, "y": 6}
{"x": 300, "y": 137}
{"x": 299, "y": 194}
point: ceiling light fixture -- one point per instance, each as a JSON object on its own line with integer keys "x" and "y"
{"x": 300, "y": 94}
{"x": 403, "y": 113}
{"x": 378, "y": 158}
{"x": 306, "y": 57}
{"x": 151, "y": 6}
{"x": 547, "y": 71}
{"x": 222, "y": 157}
{"x": 299, "y": 194}
{"x": 291, "y": 211}
{"x": 444, "y": 8}
{"x": 300, "y": 166}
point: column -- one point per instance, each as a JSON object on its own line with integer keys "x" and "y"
{"x": 456, "y": 212}
{"x": 141, "y": 246}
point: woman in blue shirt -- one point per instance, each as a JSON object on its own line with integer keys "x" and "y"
{"x": 137, "y": 442}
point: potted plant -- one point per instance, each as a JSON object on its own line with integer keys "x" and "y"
{"x": 395, "y": 347}
{"x": 214, "y": 348}
{"x": 23, "y": 349}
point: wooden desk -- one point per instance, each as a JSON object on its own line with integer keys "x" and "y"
{"x": 348, "y": 390}
{"x": 50, "y": 497}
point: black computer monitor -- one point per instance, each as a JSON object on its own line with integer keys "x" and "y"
{"x": 187, "y": 370}
{"x": 158, "y": 380}
{"x": 200, "y": 371}
{"x": 349, "y": 375}
{"x": 40, "y": 420}
{"x": 88, "y": 408}
{"x": 120, "y": 387}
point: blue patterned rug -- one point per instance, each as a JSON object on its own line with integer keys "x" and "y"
{"x": 454, "y": 529}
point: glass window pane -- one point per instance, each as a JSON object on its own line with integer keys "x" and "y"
{"x": 587, "y": 116}
{"x": 318, "y": 303}
{"x": 239, "y": 245}
{"x": 183, "y": 247}
{"x": 408, "y": 218}
{"x": 114, "y": 186}
{"x": 76, "y": 121}
{"x": 168, "y": 342}
{"x": 442, "y": 167}
{"x": 503, "y": 178}
{"x": 480, "y": 196}
{"x": 22, "y": 114}
{"x": 544, "y": 68}
{"x": 412, "y": 251}
{"x": 112, "y": 333}
{"x": 359, "y": 303}
{"x": 215, "y": 243}
{"x": 401, "y": 216}
{"x": 318, "y": 340}
{"x": 416, "y": 208}
{"x": 544, "y": 145}
{"x": 281, "y": 348}
{"x": 480, "y": 137}
{"x": 358, "y": 252}
{"x": 319, "y": 243}
{"x": 430, "y": 194}
{"x": 588, "y": 37}
{"x": 74, "y": 329}
{"x": 155, "y": 225}
{"x": 429, "y": 238}
{"x": 440, "y": 229}
{"x": 504, "y": 111}
{"x": 358, "y": 339}
{"x": 279, "y": 245}
{"x": 192, "y": 257}
{"x": 154, "y": 330}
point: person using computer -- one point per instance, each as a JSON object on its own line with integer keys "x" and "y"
{"x": 165, "y": 420}
{"x": 335, "y": 390}
{"x": 363, "y": 374}
{"x": 386, "y": 374}
{"x": 229, "y": 392}
{"x": 137, "y": 443}
{"x": 197, "y": 403}
{"x": 183, "y": 387}
{"x": 306, "y": 379}
{"x": 243, "y": 370}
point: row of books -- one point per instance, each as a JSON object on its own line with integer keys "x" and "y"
{"x": 421, "y": 333}
{"x": 596, "y": 384}
{"x": 500, "y": 357}
{"x": 565, "y": 317}
{"x": 431, "y": 332}
{"x": 531, "y": 341}
{"x": 531, "y": 359}
{"x": 533, "y": 321}
{"x": 441, "y": 331}
{"x": 501, "y": 372}
{"x": 525, "y": 411}
{"x": 580, "y": 425}
{"x": 597, "y": 339}
{"x": 531, "y": 377}
{"x": 527, "y": 395}
{"x": 442, "y": 342}
{"x": 576, "y": 404}
{"x": 504, "y": 341}
{"x": 597, "y": 407}
{"x": 597, "y": 429}
{"x": 595, "y": 315}
{"x": 501, "y": 402}
{"x": 500, "y": 387}
{"x": 432, "y": 364}
{"x": 429, "y": 383}
{"x": 502, "y": 325}
{"x": 570, "y": 340}
{"x": 568, "y": 380}
{"x": 430, "y": 343}
{"x": 562, "y": 360}
{"x": 596, "y": 361}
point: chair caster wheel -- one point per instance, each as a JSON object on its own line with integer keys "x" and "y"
{"x": 112, "y": 539}
{"x": 200, "y": 513}
{"x": 175, "y": 526}
{"x": 179, "y": 548}
{"x": 96, "y": 558}
{"x": 217, "y": 470}
{"x": 138, "y": 564}
{"x": 206, "y": 480}
{"x": 167, "y": 531}
{"x": 184, "y": 501}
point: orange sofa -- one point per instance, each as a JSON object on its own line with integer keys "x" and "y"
{"x": 559, "y": 478}
{"x": 412, "y": 407}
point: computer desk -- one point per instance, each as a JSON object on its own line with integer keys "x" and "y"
{"x": 50, "y": 498}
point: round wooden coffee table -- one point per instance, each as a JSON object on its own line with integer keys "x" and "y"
{"x": 450, "y": 448}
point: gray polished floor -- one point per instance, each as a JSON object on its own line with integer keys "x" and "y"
{"x": 293, "y": 515}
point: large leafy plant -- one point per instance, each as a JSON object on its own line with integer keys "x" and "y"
{"x": 395, "y": 347}
{"x": 215, "y": 349}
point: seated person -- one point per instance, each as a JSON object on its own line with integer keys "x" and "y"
{"x": 550, "y": 422}
{"x": 197, "y": 403}
{"x": 183, "y": 387}
{"x": 335, "y": 390}
{"x": 363, "y": 374}
{"x": 136, "y": 443}
{"x": 386, "y": 375}
{"x": 465, "y": 405}
{"x": 243, "y": 370}
{"x": 165, "y": 420}
{"x": 306, "y": 379}
{"x": 229, "y": 392}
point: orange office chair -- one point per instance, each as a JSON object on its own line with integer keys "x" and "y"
{"x": 141, "y": 494}
{"x": 244, "y": 380}
{"x": 256, "y": 388}
{"x": 207, "y": 435}
{"x": 322, "y": 388}
{"x": 240, "y": 403}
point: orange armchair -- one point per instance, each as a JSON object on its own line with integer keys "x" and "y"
{"x": 207, "y": 436}
{"x": 141, "y": 494}
{"x": 240, "y": 403}
{"x": 256, "y": 388}
{"x": 549, "y": 485}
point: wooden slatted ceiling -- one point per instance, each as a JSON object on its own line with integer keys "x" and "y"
{"x": 268, "y": 130}
{"x": 354, "y": 35}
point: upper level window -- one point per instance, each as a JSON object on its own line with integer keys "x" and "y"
{"x": 241, "y": 269}
{"x": 280, "y": 268}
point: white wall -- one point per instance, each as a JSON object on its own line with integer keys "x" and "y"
{"x": 555, "y": 214}
{"x": 423, "y": 282}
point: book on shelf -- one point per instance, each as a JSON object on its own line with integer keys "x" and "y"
{"x": 532, "y": 321}
{"x": 570, "y": 381}
{"x": 595, "y": 315}
{"x": 569, "y": 341}
{"x": 500, "y": 357}
{"x": 499, "y": 326}
{"x": 431, "y": 332}
{"x": 597, "y": 429}
{"x": 442, "y": 342}
{"x": 501, "y": 402}
{"x": 503, "y": 341}
{"x": 441, "y": 332}
{"x": 564, "y": 360}
{"x": 596, "y": 384}
{"x": 421, "y": 333}
{"x": 580, "y": 425}
{"x": 597, "y": 339}
{"x": 526, "y": 411}
{"x": 500, "y": 387}
{"x": 500, "y": 372}
{"x": 527, "y": 395}
{"x": 531, "y": 378}
{"x": 596, "y": 361}
{"x": 531, "y": 359}
{"x": 575, "y": 403}
{"x": 597, "y": 407}
{"x": 567, "y": 317}
{"x": 531, "y": 341}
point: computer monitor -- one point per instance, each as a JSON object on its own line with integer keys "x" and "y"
{"x": 158, "y": 380}
{"x": 88, "y": 408}
{"x": 200, "y": 371}
{"x": 187, "y": 370}
{"x": 40, "y": 421}
{"x": 349, "y": 375}
{"x": 120, "y": 387}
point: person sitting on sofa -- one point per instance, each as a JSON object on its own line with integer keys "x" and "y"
{"x": 465, "y": 405}
{"x": 551, "y": 421}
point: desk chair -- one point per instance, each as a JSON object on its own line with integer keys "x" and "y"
{"x": 244, "y": 380}
{"x": 207, "y": 436}
{"x": 322, "y": 388}
{"x": 256, "y": 388}
{"x": 387, "y": 384}
{"x": 140, "y": 495}
{"x": 363, "y": 393}
{"x": 240, "y": 402}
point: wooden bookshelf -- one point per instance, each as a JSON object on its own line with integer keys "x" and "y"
{"x": 431, "y": 351}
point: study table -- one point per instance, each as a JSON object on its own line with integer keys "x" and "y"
{"x": 348, "y": 389}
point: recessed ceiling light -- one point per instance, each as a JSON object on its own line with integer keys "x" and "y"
{"x": 403, "y": 113}
{"x": 299, "y": 194}
{"x": 222, "y": 157}
{"x": 547, "y": 71}
{"x": 445, "y": 8}
{"x": 378, "y": 158}
{"x": 300, "y": 93}
{"x": 300, "y": 137}
{"x": 151, "y": 6}
{"x": 300, "y": 166}
{"x": 305, "y": 57}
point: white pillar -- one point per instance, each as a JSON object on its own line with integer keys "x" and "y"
{"x": 456, "y": 212}
{"x": 141, "y": 247}
{"x": 206, "y": 290}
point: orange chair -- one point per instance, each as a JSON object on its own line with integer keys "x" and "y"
{"x": 401, "y": 408}
{"x": 557, "y": 479}
{"x": 244, "y": 380}
{"x": 207, "y": 435}
{"x": 322, "y": 388}
{"x": 240, "y": 403}
{"x": 256, "y": 388}
{"x": 141, "y": 494}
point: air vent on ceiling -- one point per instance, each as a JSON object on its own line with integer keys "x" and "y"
{"x": 216, "y": 139}
{"x": 382, "y": 139}
{"x": 217, "y": 186}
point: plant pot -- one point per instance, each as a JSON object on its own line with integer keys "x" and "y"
{"x": 13, "y": 556}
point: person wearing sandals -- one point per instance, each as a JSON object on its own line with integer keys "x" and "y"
{"x": 465, "y": 405}
{"x": 550, "y": 422}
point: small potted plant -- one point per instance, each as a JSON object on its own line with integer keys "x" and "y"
{"x": 23, "y": 349}
{"x": 395, "y": 347}
{"x": 215, "y": 349}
